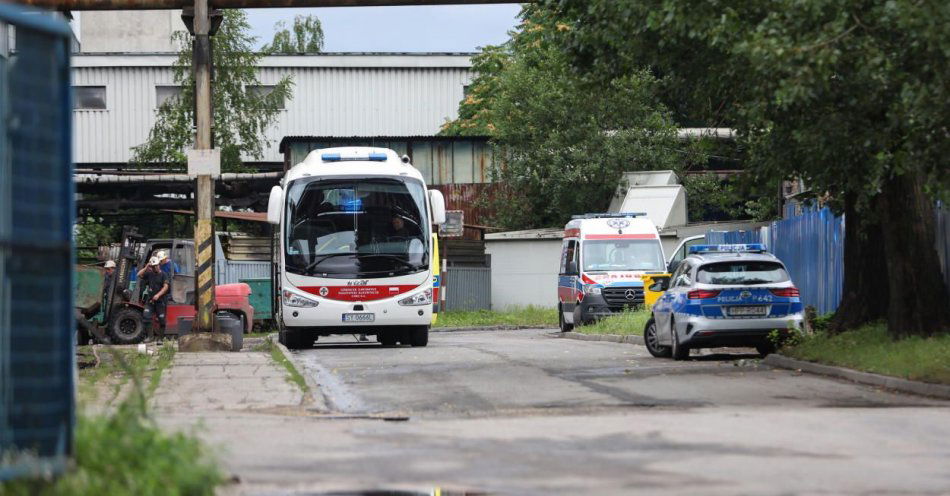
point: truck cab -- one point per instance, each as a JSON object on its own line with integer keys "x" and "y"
{"x": 603, "y": 260}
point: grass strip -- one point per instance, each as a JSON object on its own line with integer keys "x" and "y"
{"x": 520, "y": 316}
{"x": 125, "y": 452}
{"x": 293, "y": 375}
{"x": 625, "y": 323}
{"x": 871, "y": 349}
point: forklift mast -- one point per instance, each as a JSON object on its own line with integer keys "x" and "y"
{"x": 128, "y": 257}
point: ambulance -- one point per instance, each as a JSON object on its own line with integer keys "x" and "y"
{"x": 603, "y": 260}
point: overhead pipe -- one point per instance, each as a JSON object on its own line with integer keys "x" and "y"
{"x": 79, "y": 5}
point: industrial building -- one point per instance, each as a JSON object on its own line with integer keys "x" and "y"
{"x": 334, "y": 95}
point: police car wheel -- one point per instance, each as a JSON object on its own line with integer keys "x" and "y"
{"x": 565, "y": 327}
{"x": 678, "y": 351}
{"x": 652, "y": 341}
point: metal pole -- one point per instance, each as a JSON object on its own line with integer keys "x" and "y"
{"x": 204, "y": 184}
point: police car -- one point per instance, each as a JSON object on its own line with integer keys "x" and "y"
{"x": 723, "y": 295}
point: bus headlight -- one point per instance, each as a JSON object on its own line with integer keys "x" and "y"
{"x": 591, "y": 289}
{"x": 423, "y": 298}
{"x": 295, "y": 300}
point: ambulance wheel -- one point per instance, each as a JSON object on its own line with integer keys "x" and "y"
{"x": 127, "y": 326}
{"x": 565, "y": 327}
{"x": 677, "y": 351}
{"x": 652, "y": 341}
{"x": 419, "y": 336}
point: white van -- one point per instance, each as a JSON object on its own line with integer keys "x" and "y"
{"x": 603, "y": 259}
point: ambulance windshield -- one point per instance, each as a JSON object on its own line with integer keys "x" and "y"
{"x": 620, "y": 255}
{"x": 346, "y": 228}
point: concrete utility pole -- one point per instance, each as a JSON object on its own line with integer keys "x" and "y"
{"x": 204, "y": 183}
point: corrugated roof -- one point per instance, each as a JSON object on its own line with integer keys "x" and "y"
{"x": 297, "y": 139}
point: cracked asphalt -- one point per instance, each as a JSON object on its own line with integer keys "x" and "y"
{"x": 524, "y": 412}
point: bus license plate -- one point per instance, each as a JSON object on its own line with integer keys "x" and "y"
{"x": 359, "y": 317}
{"x": 759, "y": 311}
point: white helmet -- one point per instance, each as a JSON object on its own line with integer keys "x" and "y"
{"x": 154, "y": 261}
{"x": 110, "y": 264}
{"x": 161, "y": 255}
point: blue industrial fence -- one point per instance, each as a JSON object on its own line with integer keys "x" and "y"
{"x": 812, "y": 246}
{"x": 36, "y": 256}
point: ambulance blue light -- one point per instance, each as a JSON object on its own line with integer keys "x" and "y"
{"x": 377, "y": 157}
{"x": 739, "y": 248}
{"x": 331, "y": 157}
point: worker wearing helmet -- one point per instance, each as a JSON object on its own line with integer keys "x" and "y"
{"x": 167, "y": 266}
{"x": 154, "y": 295}
{"x": 109, "y": 276}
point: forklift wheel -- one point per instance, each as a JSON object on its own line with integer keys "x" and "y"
{"x": 127, "y": 326}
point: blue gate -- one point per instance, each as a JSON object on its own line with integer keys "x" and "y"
{"x": 36, "y": 256}
{"x": 812, "y": 247}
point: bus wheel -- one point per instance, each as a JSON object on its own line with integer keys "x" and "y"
{"x": 419, "y": 336}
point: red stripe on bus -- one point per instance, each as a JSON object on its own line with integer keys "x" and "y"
{"x": 358, "y": 293}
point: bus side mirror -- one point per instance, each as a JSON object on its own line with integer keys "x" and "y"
{"x": 274, "y": 204}
{"x": 437, "y": 203}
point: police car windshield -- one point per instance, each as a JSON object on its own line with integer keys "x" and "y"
{"x": 741, "y": 272}
{"x": 618, "y": 255}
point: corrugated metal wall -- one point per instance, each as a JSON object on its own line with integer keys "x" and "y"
{"x": 229, "y": 272}
{"x": 327, "y": 101}
{"x": 467, "y": 288}
{"x": 36, "y": 256}
{"x": 812, "y": 247}
{"x": 943, "y": 241}
{"x": 462, "y": 160}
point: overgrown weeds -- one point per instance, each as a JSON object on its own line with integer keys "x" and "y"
{"x": 125, "y": 452}
{"x": 871, "y": 349}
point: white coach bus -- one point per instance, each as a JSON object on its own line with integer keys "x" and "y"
{"x": 356, "y": 248}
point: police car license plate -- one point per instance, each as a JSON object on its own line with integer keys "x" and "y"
{"x": 359, "y": 317}
{"x": 756, "y": 311}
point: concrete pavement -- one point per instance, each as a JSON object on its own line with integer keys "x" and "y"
{"x": 516, "y": 412}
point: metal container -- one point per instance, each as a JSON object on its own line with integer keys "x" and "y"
{"x": 262, "y": 298}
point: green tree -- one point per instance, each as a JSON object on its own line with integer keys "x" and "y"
{"x": 305, "y": 36}
{"x": 243, "y": 108}
{"x": 848, "y": 95}
{"x": 564, "y": 143}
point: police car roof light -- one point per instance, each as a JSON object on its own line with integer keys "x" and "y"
{"x": 737, "y": 248}
{"x": 609, "y": 215}
{"x": 336, "y": 157}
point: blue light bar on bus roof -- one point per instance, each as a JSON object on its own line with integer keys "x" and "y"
{"x": 336, "y": 157}
{"x": 739, "y": 248}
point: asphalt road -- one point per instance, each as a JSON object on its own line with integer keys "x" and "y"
{"x": 523, "y": 412}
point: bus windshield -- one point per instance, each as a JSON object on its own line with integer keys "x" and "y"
{"x": 620, "y": 255}
{"x": 346, "y": 228}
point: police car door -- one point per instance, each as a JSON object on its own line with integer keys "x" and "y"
{"x": 674, "y": 300}
{"x": 662, "y": 307}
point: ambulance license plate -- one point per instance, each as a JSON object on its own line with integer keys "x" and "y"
{"x": 359, "y": 317}
{"x": 757, "y": 311}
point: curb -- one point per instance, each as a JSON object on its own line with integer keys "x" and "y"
{"x": 895, "y": 383}
{"x": 613, "y": 338}
{"x": 315, "y": 396}
{"x": 490, "y": 328}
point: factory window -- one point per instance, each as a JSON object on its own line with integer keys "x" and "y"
{"x": 166, "y": 93}
{"x": 89, "y": 97}
{"x": 263, "y": 92}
